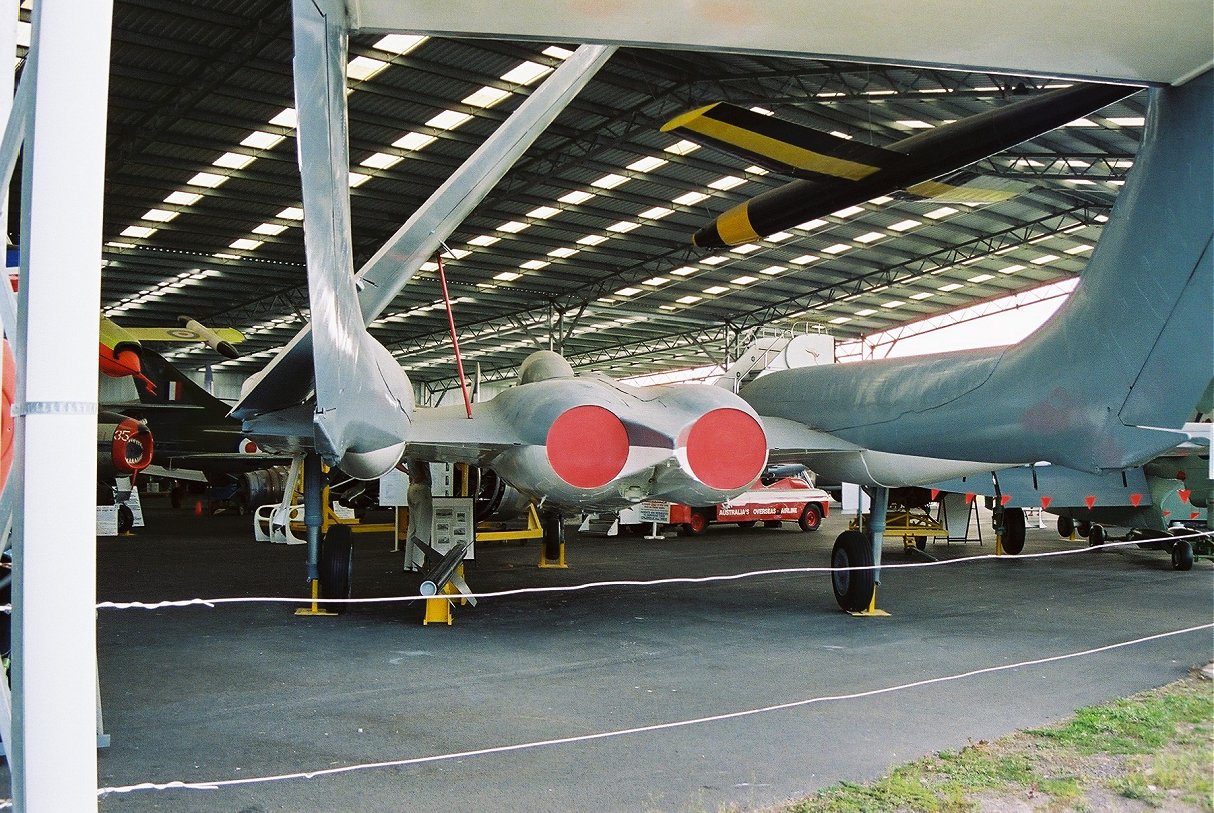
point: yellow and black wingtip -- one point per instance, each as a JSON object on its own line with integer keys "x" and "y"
{"x": 682, "y": 120}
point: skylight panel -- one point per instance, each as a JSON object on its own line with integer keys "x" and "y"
{"x": 880, "y": 200}
{"x": 628, "y": 291}
{"x": 952, "y": 286}
{"x": 526, "y": 73}
{"x": 361, "y": 68}
{"x": 286, "y": 118}
{"x": 562, "y": 252}
{"x": 689, "y": 299}
{"x": 413, "y": 141}
{"x": 745, "y": 248}
{"x": 772, "y": 270}
{"x": 923, "y": 295}
{"x": 682, "y": 147}
{"x": 1011, "y": 269}
{"x": 839, "y": 133}
{"x": 981, "y": 278}
{"x": 893, "y": 303}
{"x": 840, "y": 320}
{"x": 744, "y": 280}
{"x": 804, "y": 259}
{"x": 684, "y": 271}
{"x": 810, "y": 225}
{"x": 903, "y": 225}
{"x": 843, "y": 214}
{"x": 689, "y": 198}
{"x": 870, "y": 237}
{"x": 557, "y": 52}
{"x": 486, "y": 97}
{"x": 513, "y": 226}
{"x": 207, "y": 179}
{"x": 837, "y": 248}
{"x": 380, "y": 160}
{"x": 534, "y": 265}
{"x": 449, "y": 120}
{"x": 399, "y": 44}
{"x": 1079, "y": 249}
{"x": 233, "y": 160}
{"x": 623, "y": 227}
{"x": 183, "y": 198}
{"x": 543, "y": 212}
{"x": 1044, "y": 258}
{"x": 655, "y": 282}
{"x": 575, "y": 198}
{"x": 713, "y": 290}
{"x": 656, "y": 213}
{"x": 357, "y": 179}
{"x": 715, "y": 260}
{"x": 484, "y": 240}
{"x": 593, "y": 239}
{"x": 755, "y": 169}
{"x": 762, "y": 111}
{"x": 914, "y": 124}
{"x": 159, "y": 215}
{"x": 507, "y": 276}
{"x": 647, "y": 164}
{"x": 291, "y": 213}
{"x": 779, "y": 236}
{"x": 270, "y": 229}
{"x": 728, "y": 182}
{"x": 865, "y": 312}
{"x": 245, "y": 244}
{"x": 137, "y": 231}
{"x": 260, "y": 140}
{"x": 943, "y": 211}
{"x": 610, "y": 181}
{"x": 1081, "y": 122}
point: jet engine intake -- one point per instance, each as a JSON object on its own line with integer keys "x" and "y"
{"x": 124, "y": 445}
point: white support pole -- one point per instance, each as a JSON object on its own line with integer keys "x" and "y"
{"x": 55, "y": 637}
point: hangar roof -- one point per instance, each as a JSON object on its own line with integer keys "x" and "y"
{"x": 587, "y": 238}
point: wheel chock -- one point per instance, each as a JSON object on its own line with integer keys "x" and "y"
{"x": 315, "y": 609}
{"x": 872, "y": 611}
{"x": 999, "y": 544}
{"x": 556, "y": 564}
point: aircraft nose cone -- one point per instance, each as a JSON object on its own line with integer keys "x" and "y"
{"x": 726, "y": 449}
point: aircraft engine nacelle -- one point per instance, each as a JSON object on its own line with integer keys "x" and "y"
{"x": 124, "y": 445}
{"x": 593, "y": 442}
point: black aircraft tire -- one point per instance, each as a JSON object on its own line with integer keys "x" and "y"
{"x": 853, "y": 589}
{"x": 1066, "y": 527}
{"x": 1097, "y": 536}
{"x": 126, "y": 518}
{"x": 1083, "y": 528}
{"x": 336, "y": 565}
{"x": 1182, "y": 555}
{"x": 1013, "y": 530}
{"x": 749, "y": 523}
{"x": 811, "y": 518}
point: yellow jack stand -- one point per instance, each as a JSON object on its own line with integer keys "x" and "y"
{"x": 315, "y": 609}
{"x": 872, "y": 611}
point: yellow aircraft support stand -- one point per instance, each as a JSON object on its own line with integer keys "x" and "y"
{"x": 872, "y": 611}
{"x": 315, "y": 608}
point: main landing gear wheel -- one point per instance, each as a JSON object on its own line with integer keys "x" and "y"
{"x": 811, "y": 518}
{"x": 1182, "y": 555}
{"x": 126, "y": 518}
{"x": 696, "y": 524}
{"x": 1013, "y": 530}
{"x": 336, "y": 565}
{"x": 853, "y": 588}
{"x": 1096, "y": 536}
{"x": 750, "y": 523}
{"x": 1083, "y": 528}
{"x": 1066, "y": 527}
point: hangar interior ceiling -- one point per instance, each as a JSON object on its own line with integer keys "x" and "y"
{"x": 586, "y": 242}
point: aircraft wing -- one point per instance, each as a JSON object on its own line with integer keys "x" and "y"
{"x": 182, "y": 334}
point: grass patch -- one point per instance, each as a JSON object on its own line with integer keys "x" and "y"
{"x": 1155, "y": 747}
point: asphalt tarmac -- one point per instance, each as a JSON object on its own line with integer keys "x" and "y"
{"x": 243, "y": 691}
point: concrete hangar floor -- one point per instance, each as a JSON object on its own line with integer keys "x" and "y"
{"x": 250, "y": 690}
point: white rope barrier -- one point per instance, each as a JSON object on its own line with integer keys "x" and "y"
{"x": 786, "y": 571}
{"x": 624, "y": 732}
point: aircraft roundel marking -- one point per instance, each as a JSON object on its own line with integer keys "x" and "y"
{"x": 248, "y": 446}
{"x": 587, "y": 446}
{"x": 935, "y": 494}
{"x": 1045, "y": 501}
{"x": 1194, "y": 514}
{"x": 1135, "y": 499}
{"x": 726, "y": 449}
{"x": 969, "y": 497}
{"x": 182, "y": 333}
{"x": 1089, "y": 501}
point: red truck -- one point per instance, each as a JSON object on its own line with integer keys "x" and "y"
{"x": 791, "y": 498}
